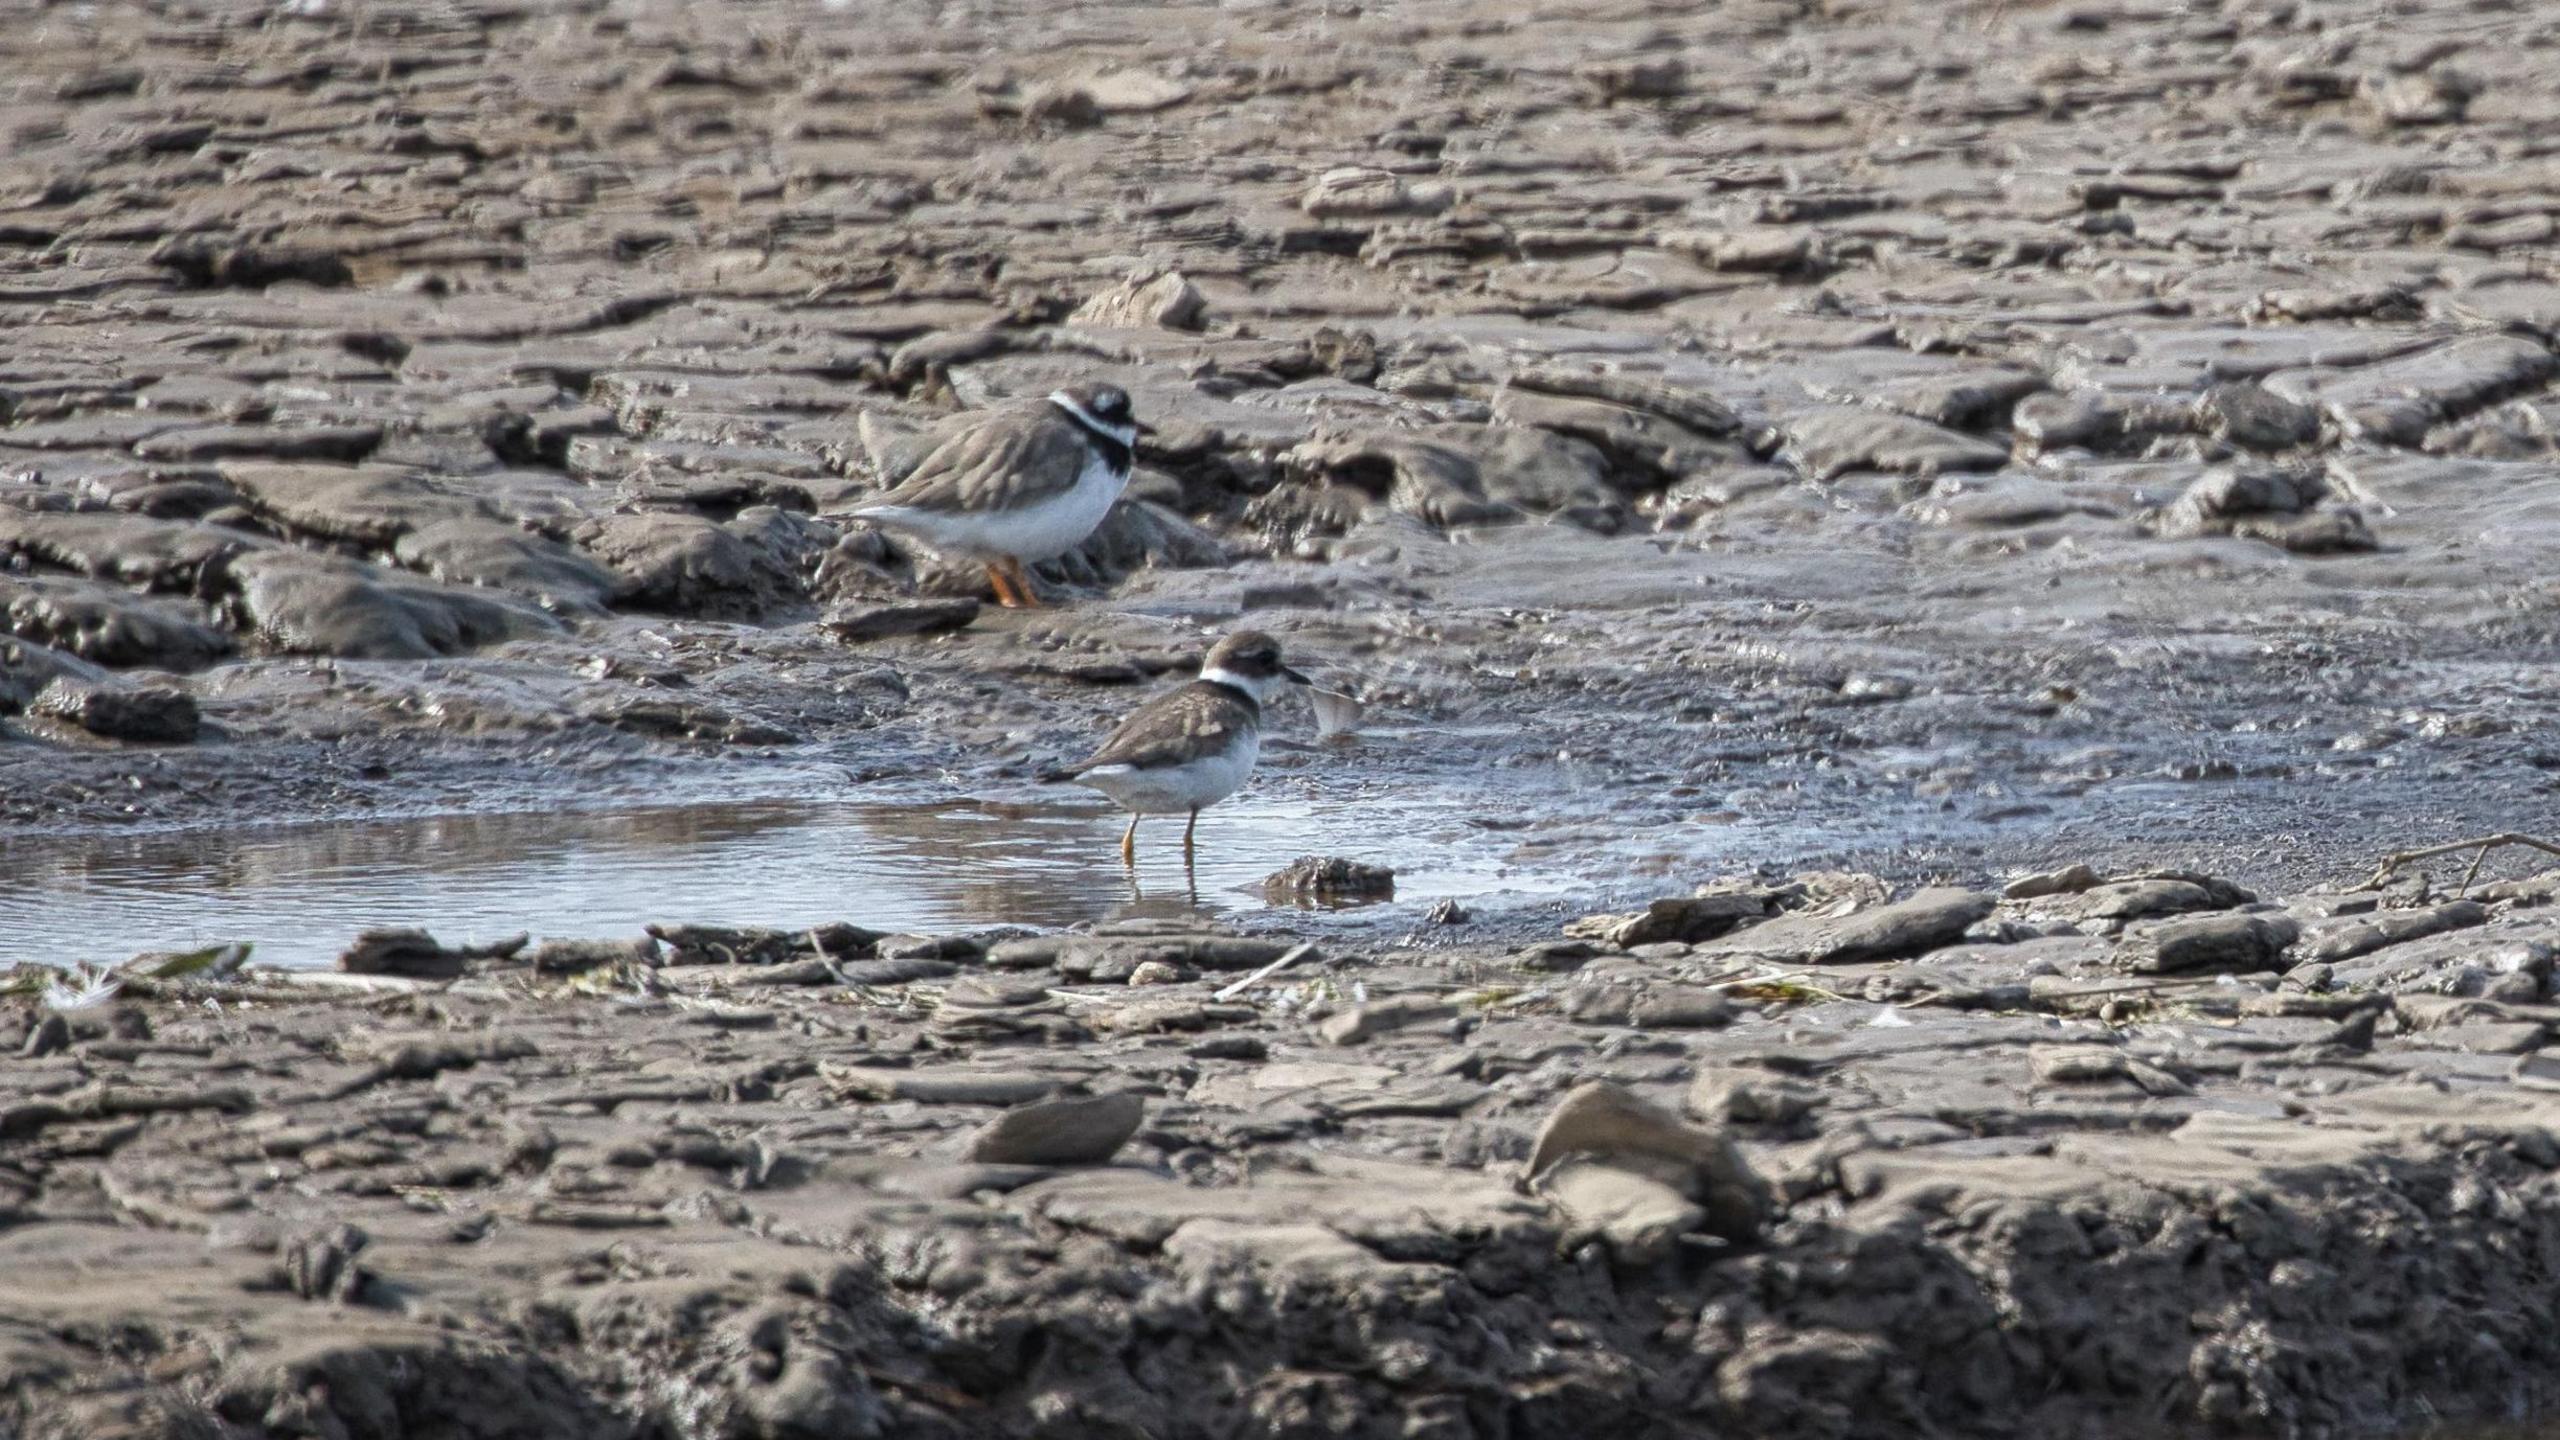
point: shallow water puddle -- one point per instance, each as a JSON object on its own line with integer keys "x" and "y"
{"x": 301, "y": 892}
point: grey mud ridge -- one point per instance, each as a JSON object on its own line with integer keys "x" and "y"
{"x": 1942, "y": 441}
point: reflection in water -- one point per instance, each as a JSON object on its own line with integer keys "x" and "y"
{"x": 301, "y": 892}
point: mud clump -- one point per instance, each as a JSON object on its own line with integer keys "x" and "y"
{"x": 150, "y": 715}
{"x": 1324, "y": 879}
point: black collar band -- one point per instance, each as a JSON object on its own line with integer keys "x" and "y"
{"x": 1105, "y": 444}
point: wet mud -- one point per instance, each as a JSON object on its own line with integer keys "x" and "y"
{"x": 2111, "y": 1155}
{"x": 300, "y": 894}
{"x": 1851, "y": 457}
{"x": 2139, "y": 441}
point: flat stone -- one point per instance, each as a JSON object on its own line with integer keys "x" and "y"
{"x": 1721, "y": 1098}
{"x": 859, "y": 624}
{"x": 1135, "y": 92}
{"x": 2395, "y": 400}
{"x": 2070, "y": 880}
{"x": 1684, "y": 918}
{"x": 2364, "y": 935}
{"x": 1352, "y": 191}
{"x": 2232, "y": 943}
{"x": 2135, "y": 899}
{"x": 1070, "y": 1130}
{"x": 1903, "y": 928}
{"x": 1649, "y": 1007}
{"x": 1367, "y": 1022}
{"x": 1164, "y": 301}
{"x": 1605, "y": 1123}
{"x": 2513, "y": 1037}
{"x": 1637, "y": 1216}
{"x": 944, "y": 1087}
{"x": 2098, "y": 1065}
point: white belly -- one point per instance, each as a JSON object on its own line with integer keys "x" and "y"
{"x": 1179, "y": 789}
{"x": 1038, "y": 531}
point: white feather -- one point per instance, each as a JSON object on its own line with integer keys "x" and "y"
{"x": 1257, "y": 686}
{"x": 62, "y": 998}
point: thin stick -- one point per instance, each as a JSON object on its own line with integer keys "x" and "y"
{"x": 1780, "y": 977}
{"x": 1290, "y": 957}
{"x": 2484, "y": 844}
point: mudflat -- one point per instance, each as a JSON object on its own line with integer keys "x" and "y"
{"x": 2128, "y": 1155}
{"x": 1946, "y": 540}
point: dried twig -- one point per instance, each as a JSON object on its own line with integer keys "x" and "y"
{"x": 2484, "y": 844}
{"x": 1294, "y": 954}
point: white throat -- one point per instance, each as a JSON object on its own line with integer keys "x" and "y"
{"x": 1125, "y": 434}
{"x": 1256, "y": 686}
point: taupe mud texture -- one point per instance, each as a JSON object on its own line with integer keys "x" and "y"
{"x": 1940, "y": 433}
{"x": 1763, "y": 1180}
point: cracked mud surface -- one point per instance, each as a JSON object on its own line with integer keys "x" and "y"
{"x": 1940, "y": 441}
{"x": 2134, "y": 1155}
{"x": 2136, "y": 445}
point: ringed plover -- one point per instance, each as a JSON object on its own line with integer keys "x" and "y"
{"x": 1028, "y": 483}
{"x": 1193, "y": 747}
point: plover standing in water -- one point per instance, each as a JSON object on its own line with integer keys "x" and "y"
{"x": 1026, "y": 484}
{"x": 1189, "y": 749}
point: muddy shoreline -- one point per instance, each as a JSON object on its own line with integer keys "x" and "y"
{"x": 1780, "y": 474}
{"x": 1930, "y": 476}
{"x": 2124, "y": 1156}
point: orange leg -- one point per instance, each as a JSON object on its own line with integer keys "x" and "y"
{"x": 1003, "y": 587}
{"x": 1022, "y": 586}
{"x": 1129, "y": 844}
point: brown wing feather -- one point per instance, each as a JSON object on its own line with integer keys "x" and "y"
{"x": 995, "y": 466}
{"x": 1197, "y": 719}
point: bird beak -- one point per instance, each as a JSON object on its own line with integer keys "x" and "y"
{"x": 1142, "y": 427}
{"x": 1294, "y": 677}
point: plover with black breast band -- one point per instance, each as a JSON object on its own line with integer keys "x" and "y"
{"x": 1190, "y": 748}
{"x": 1026, "y": 484}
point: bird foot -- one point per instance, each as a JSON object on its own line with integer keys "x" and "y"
{"x": 1022, "y": 586}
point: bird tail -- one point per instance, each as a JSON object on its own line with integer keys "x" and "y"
{"x": 1064, "y": 774}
